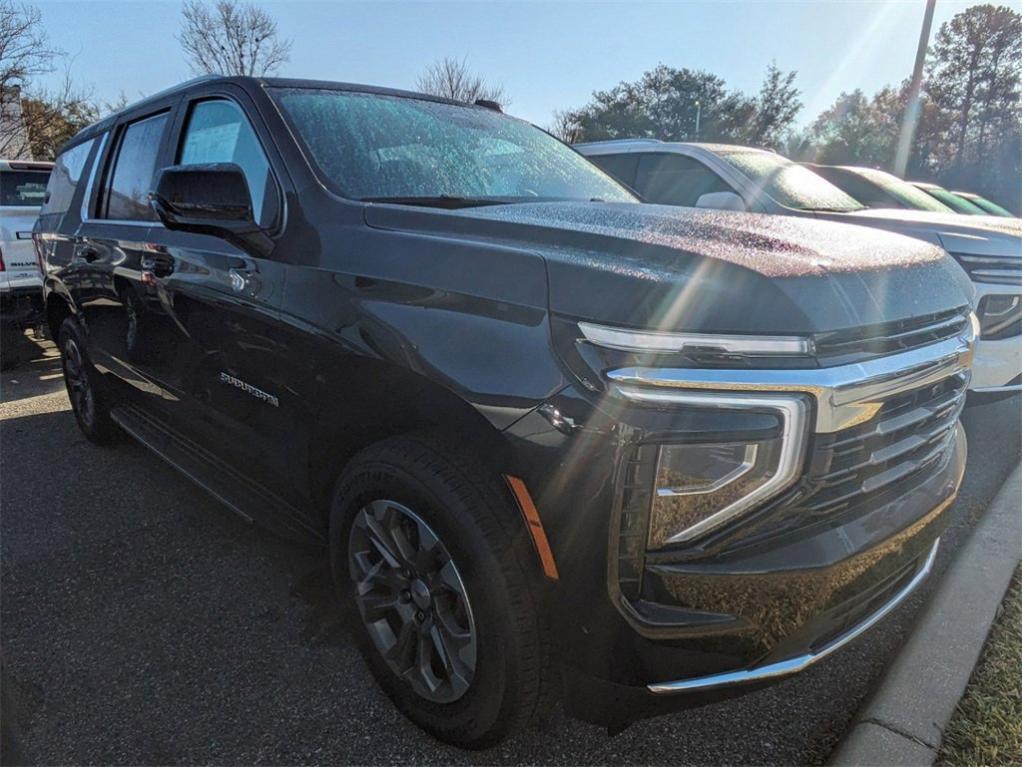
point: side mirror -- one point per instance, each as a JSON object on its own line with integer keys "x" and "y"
{"x": 209, "y": 199}
{"x": 721, "y": 201}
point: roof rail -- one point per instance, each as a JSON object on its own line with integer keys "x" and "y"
{"x": 637, "y": 140}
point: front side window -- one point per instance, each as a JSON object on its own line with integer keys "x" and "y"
{"x": 789, "y": 183}
{"x": 64, "y": 178}
{"x": 372, "y": 147}
{"x": 126, "y": 197}
{"x": 23, "y": 187}
{"x": 219, "y": 132}
{"x": 671, "y": 179}
{"x": 623, "y": 167}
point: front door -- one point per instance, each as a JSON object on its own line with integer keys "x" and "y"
{"x": 220, "y": 303}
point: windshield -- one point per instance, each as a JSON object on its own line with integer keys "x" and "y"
{"x": 789, "y": 183}
{"x": 956, "y": 203}
{"x": 375, "y": 147}
{"x": 23, "y": 187}
{"x": 989, "y": 207}
{"x": 908, "y": 195}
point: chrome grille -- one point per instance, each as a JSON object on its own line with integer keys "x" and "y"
{"x": 910, "y": 433}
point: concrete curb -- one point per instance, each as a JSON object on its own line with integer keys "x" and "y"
{"x": 902, "y": 723}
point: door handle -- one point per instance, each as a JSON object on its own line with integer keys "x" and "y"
{"x": 160, "y": 264}
{"x": 88, "y": 254}
{"x": 244, "y": 280}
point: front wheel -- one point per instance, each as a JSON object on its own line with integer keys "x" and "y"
{"x": 89, "y": 399}
{"x": 426, "y": 547}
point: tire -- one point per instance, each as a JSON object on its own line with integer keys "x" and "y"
{"x": 492, "y": 683}
{"x": 90, "y": 399}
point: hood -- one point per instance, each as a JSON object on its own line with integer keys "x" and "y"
{"x": 710, "y": 271}
{"x": 967, "y": 235}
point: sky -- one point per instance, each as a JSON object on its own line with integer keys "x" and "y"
{"x": 548, "y": 55}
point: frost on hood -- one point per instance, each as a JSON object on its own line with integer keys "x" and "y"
{"x": 774, "y": 246}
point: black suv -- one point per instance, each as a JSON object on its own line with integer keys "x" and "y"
{"x": 557, "y": 441}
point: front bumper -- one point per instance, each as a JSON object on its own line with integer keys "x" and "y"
{"x": 777, "y": 669}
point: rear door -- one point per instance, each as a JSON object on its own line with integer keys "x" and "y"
{"x": 112, "y": 255}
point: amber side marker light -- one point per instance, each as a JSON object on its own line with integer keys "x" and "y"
{"x": 534, "y": 525}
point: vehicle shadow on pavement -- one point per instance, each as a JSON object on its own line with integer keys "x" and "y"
{"x": 37, "y": 373}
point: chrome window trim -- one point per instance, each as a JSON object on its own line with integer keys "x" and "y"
{"x": 84, "y": 217}
{"x": 801, "y": 662}
{"x": 661, "y": 341}
{"x": 845, "y": 395}
{"x": 794, "y": 415}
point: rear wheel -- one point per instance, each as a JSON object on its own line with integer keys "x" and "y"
{"x": 89, "y": 398}
{"x": 426, "y": 547}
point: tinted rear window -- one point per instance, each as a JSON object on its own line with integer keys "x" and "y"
{"x": 64, "y": 178}
{"x": 127, "y": 197}
{"x": 23, "y": 187}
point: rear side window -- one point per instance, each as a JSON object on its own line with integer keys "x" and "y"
{"x": 672, "y": 179}
{"x": 126, "y": 196}
{"x": 621, "y": 166}
{"x": 218, "y": 131}
{"x": 23, "y": 187}
{"x": 64, "y": 178}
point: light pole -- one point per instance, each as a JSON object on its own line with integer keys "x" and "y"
{"x": 699, "y": 110}
{"x": 908, "y": 124}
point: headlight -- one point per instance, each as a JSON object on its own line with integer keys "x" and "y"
{"x": 664, "y": 342}
{"x": 698, "y": 487}
{"x": 1000, "y": 316}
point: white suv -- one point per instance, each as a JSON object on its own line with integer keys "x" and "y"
{"x": 22, "y": 189}
{"x": 730, "y": 177}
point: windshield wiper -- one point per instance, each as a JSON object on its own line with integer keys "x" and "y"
{"x": 444, "y": 201}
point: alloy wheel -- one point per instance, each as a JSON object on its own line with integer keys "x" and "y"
{"x": 412, "y": 600}
{"x": 79, "y": 388}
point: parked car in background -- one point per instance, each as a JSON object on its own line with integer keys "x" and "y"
{"x": 555, "y": 439}
{"x": 743, "y": 178}
{"x": 879, "y": 189}
{"x": 954, "y": 201}
{"x": 980, "y": 204}
{"x": 22, "y": 188}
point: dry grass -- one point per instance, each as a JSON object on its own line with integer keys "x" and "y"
{"x": 986, "y": 728}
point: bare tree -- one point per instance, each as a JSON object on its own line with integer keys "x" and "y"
{"x": 451, "y": 78}
{"x": 231, "y": 38}
{"x": 566, "y": 126}
{"x": 52, "y": 116}
{"x": 24, "y": 53}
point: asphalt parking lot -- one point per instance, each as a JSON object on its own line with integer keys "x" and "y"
{"x": 143, "y": 623}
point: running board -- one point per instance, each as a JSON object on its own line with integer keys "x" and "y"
{"x": 252, "y": 502}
